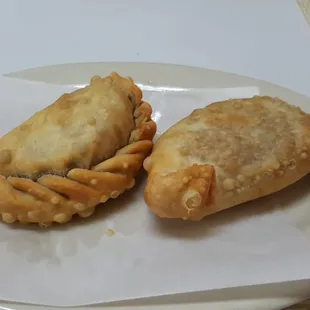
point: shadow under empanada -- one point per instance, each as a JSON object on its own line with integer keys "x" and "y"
{"x": 63, "y": 240}
{"x": 48, "y": 243}
{"x": 290, "y": 199}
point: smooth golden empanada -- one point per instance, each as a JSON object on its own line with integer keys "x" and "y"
{"x": 78, "y": 152}
{"x": 228, "y": 153}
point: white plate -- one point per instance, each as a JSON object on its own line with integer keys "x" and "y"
{"x": 255, "y": 297}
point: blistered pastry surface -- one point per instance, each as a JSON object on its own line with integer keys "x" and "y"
{"x": 82, "y": 150}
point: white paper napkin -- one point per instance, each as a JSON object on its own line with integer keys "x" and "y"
{"x": 80, "y": 263}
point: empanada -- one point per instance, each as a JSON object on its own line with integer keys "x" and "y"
{"x": 228, "y": 153}
{"x": 78, "y": 152}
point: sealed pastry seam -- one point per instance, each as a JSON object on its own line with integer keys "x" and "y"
{"x": 56, "y": 197}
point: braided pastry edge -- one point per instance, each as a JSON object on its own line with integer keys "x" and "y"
{"x": 55, "y": 198}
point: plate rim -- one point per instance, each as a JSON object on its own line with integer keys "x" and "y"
{"x": 57, "y": 66}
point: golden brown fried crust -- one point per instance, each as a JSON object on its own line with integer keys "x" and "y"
{"x": 228, "y": 153}
{"x": 30, "y": 194}
{"x": 183, "y": 192}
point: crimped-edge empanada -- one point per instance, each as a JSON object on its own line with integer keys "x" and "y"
{"x": 228, "y": 153}
{"x": 78, "y": 152}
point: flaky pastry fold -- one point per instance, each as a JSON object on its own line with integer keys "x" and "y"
{"x": 225, "y": 154}
{"x": 78, "y": 152}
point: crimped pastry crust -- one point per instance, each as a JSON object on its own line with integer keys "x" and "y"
{"x": 78, "y": 152}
